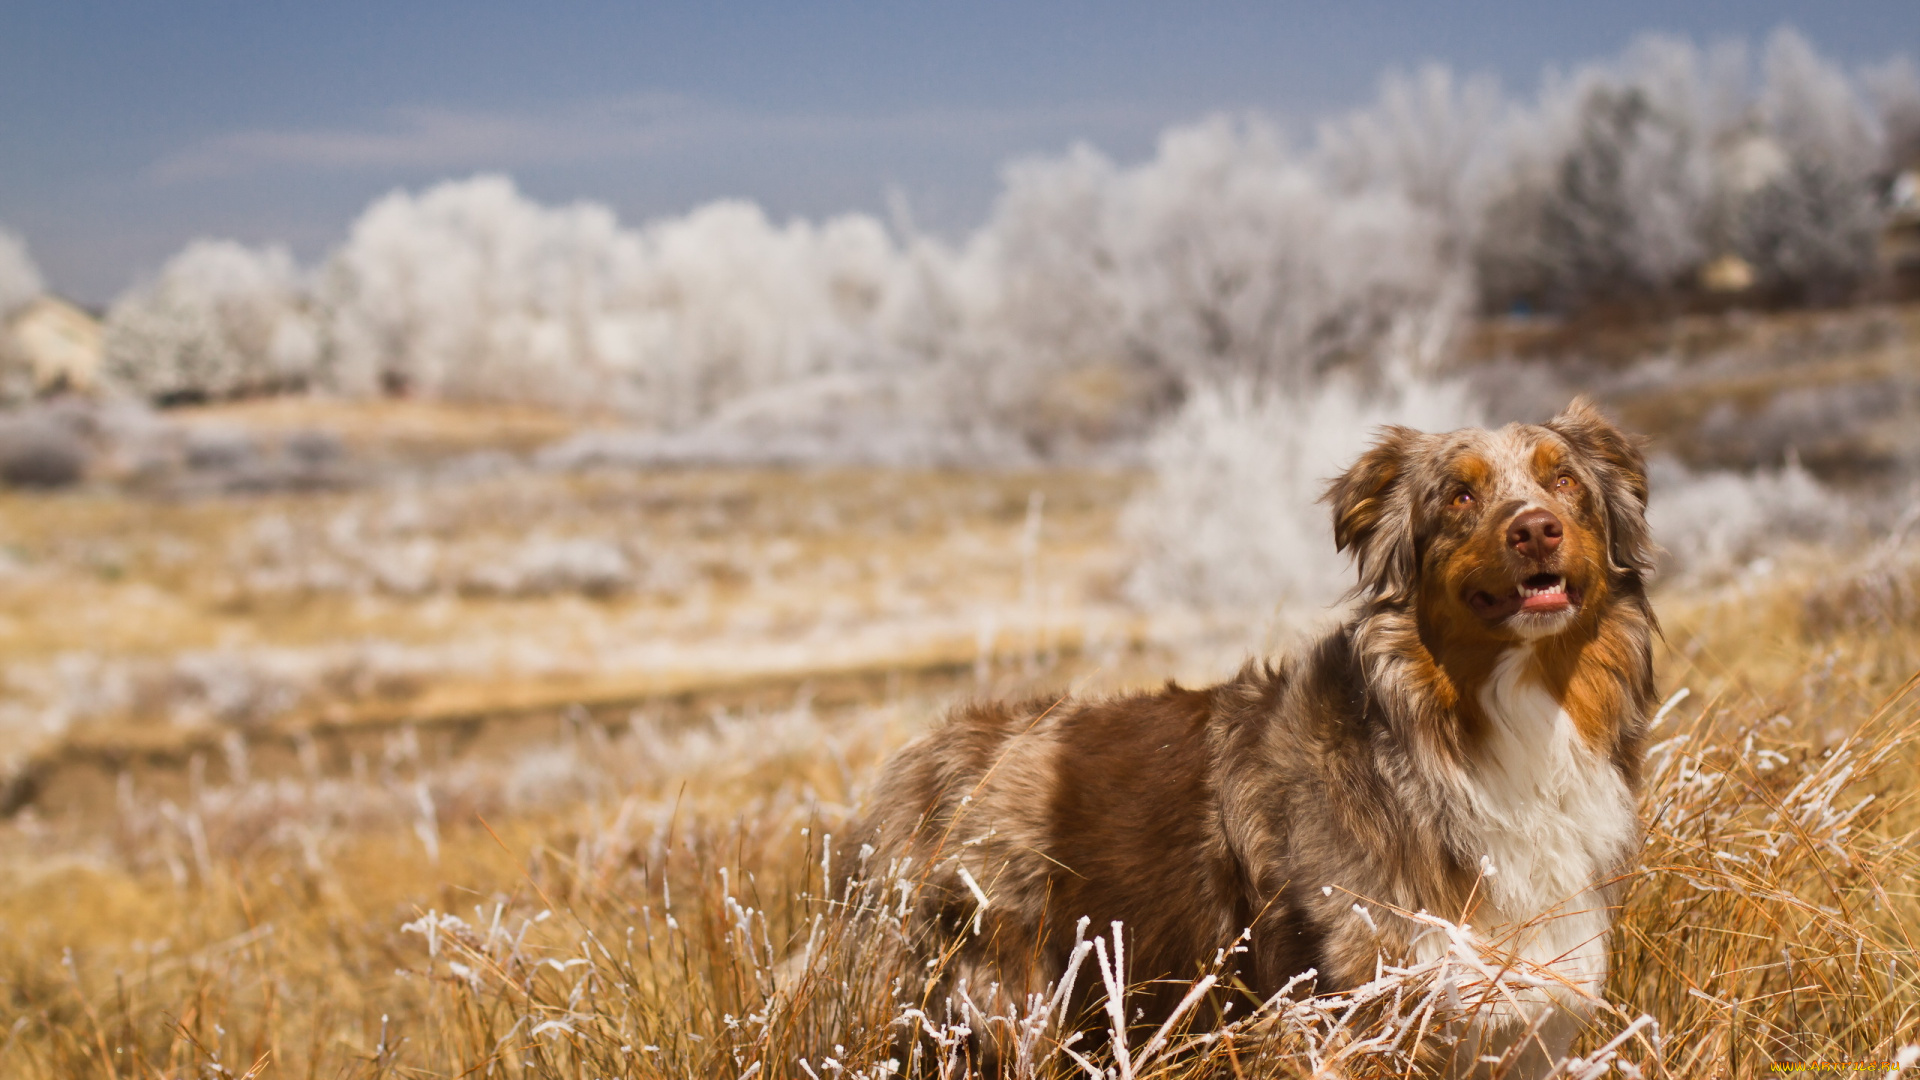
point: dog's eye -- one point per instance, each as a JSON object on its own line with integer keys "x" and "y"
{"x": 1565, "y": 483}
{"x": 1464, "y": 498}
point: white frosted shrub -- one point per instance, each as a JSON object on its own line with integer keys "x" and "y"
{"x": 1811, "y": 228}
{"x": 1895, "y": 89}
{"x": 470, "y": 290}
{"x": 1436, "y": 140}
{"x": 1718, "y": 521}
{"x": 221, "y": 320}
{"x": 1624, "y": 179}
{"x": 1111, "y": 293}
{"x": 1233, "y": 522}
{"x": 737, "y": 304}
{"x": 1812, "y": 107}
{"x": 1612, "y": 184}
{"x": 1245, "y": 264}
{"x": 1049, "y": 280}
{"x": 1225, "y": 256}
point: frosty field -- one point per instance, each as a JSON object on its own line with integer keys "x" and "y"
{"x": 460, "y": 763}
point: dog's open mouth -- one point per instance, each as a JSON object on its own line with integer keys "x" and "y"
{"x": 1541, "y": 594}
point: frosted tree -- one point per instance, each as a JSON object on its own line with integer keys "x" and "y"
{"x": 1611, "y": 191}
{"x": 1895, "y": 89}
{"x": 1051, "y": 317}
{"x": 1608, "y": 184}
{"x": 470, "y": 290}
{"x": 1245, "y": 263}
{"x": 1225, "y": 258}
{"x": 1811, "y": 229}
{"x": 1436, "y": 140}
{"x": 736, "y": 305}
{"x": 220, "y": 320}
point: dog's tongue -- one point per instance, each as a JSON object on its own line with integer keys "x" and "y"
{"x": 1553, "y": 601}
{"x": 1544, "y": 592}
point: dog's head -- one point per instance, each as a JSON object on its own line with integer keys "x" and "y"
{"x": 1514, "y": 532}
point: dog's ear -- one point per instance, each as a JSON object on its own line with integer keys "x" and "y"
{"x": 1373, "y": 517}
{"x": 1622, "y": 468}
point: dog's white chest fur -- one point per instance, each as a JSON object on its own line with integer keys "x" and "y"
{"x": 1549, "y": 819}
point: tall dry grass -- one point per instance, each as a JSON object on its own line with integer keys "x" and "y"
{"x": 650, "y": 901}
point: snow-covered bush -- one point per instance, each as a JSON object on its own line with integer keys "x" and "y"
{"x": 1895, "y": 89}
{"x": 1437, "y": 140}
{"x": 40, "y": 448}
{"x": 1609, "y": 190}
{"x": 1224, "y": 256}
{"x": 1625, "y": 179}
{"x": 729, "y": 304}
{"x": 1114, "y": 292}
{"x": 1233, "y": 521}
{"x": 1720, "y": 521}
{"x": 1811, "y": 229}
{"x": 471, "y": 290}
{"x": 221, "y": 320}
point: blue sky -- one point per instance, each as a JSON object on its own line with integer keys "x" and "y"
{"x": 128, "y": 128}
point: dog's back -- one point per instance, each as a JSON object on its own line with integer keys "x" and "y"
{"x": 1027, "y": 819}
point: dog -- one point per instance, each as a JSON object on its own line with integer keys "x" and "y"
{"x": 1467, "y": 744}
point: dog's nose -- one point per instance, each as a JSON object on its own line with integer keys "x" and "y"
{"x": 1534, "y": 534}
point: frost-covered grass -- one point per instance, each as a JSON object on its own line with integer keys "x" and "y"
{"x": 625, "y": 900}
{"x": 451, "y": 578}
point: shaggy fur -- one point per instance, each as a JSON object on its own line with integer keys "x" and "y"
{"x": 1467, "y": 744}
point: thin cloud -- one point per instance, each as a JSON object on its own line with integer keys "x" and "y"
{"x": 425, "y": 138}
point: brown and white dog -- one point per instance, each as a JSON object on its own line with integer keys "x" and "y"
{"x": 1468, "y": 744}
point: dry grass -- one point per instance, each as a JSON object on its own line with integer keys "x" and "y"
{"x": 1836, "y": 389}
{"x": 617, "y": 901}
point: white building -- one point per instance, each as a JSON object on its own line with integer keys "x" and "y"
{"x": 52, "y": 345}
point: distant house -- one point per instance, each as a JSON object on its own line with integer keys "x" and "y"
{"x": 1727, "y": 274}
{"x": 58, "y": 344}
